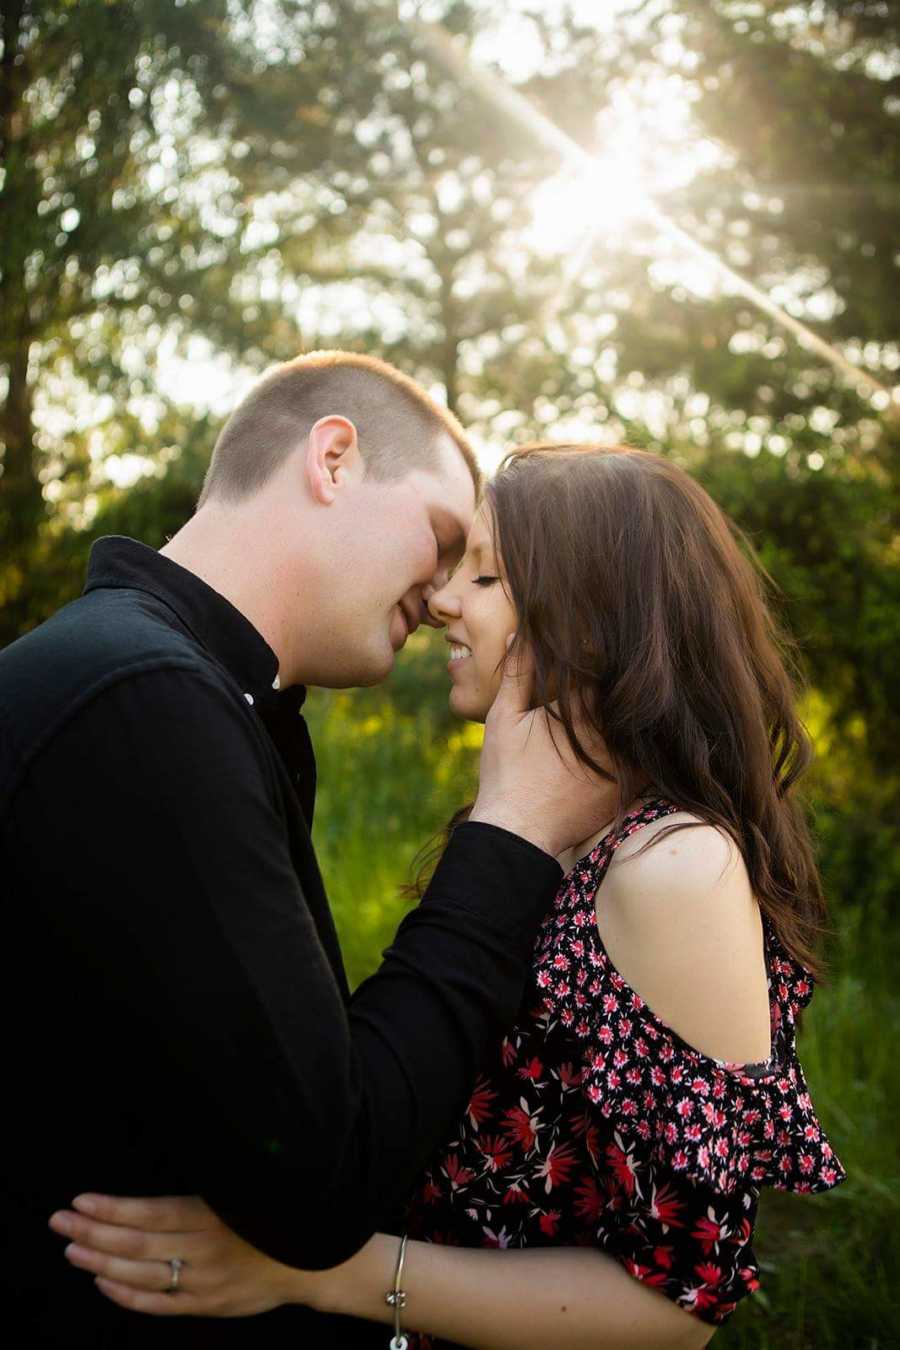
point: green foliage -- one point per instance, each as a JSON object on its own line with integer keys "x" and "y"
{"x": 390, "y": 778}
{"x": 273, "y": 175}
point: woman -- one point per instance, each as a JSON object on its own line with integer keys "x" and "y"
{"x": 602, "y": 1186}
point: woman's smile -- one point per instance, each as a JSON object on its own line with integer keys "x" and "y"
{"x": 459, "y": 652}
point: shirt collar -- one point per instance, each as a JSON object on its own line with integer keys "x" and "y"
{"x": 230, "y": 637}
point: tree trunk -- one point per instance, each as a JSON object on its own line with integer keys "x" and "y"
{"x": 21, "y": 501}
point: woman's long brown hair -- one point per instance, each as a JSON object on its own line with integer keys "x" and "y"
{"x": 646, "y": 615}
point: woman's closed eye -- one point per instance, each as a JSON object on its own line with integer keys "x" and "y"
{"x": 484, "y": 580}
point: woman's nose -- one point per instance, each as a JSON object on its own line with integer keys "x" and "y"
{"x": 441, "y": 605}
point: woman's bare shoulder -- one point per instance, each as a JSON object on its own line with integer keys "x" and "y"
{"x": 679, "y": 920}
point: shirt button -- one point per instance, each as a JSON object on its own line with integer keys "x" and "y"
{"x": 249, "y": 698}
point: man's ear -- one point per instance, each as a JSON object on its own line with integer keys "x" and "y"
{"x": 332, "y": 455}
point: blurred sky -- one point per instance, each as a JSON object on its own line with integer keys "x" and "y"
{"x": 646, "y": 137}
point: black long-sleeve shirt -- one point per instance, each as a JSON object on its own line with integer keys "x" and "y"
{"x": 176, "y": 1013}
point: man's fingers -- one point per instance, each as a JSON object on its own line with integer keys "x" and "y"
{"x": 164, "y": 1214}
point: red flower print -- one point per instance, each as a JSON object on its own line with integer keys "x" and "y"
{"x": 532, "y": 1070}
{"x": 709, "y": 1232}
{"x": 600, "y": 1112}
{"x": 622, "y": 1164}
{"x": 644, "y": 1273}
{"x": 520, "y": 1127}
{"x": 456, "y": 1174}
{"x": 589, "y": 1203}
{"x": 665, "y": 1206}
{"x": 496, "y": 1152}
{"x": 569, "y": 1076}
{"x": 480, "y": 1103}
{"x": 557, "y": 1166}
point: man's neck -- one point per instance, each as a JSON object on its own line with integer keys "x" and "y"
{"x": 213, "y": 545}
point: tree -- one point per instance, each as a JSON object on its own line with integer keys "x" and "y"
{"x": 152, "y": 161}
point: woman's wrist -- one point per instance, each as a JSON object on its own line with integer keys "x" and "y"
{"x": 357, "y": 1287}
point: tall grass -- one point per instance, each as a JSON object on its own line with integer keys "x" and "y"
{"x": 392, "y": 769}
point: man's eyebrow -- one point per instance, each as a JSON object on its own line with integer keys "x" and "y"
{"x": 451, "y": 526}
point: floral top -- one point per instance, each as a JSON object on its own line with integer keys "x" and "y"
{"x": 595, "y": 1124}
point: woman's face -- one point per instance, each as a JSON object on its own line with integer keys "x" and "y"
{"x": 480, "y": 616}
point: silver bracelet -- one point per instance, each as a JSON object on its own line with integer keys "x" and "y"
{"x": 396, "y": 1299}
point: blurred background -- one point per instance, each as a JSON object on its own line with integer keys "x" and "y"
{"x": 191, "y": 190}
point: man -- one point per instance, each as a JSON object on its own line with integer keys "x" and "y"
{"x": 178, "y": 1016}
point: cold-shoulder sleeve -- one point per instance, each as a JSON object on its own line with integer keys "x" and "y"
{"x": 685, "y": 1142}
{"x": 723, "y": 1125}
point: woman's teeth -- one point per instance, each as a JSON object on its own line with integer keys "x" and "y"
{"x": 458, "y": 651}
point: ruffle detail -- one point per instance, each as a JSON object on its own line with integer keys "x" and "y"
{"x": 715, "y": 1124}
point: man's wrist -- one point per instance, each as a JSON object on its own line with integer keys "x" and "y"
{"x": 532, "y": 831}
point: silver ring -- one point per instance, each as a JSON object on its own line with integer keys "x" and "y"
{"x": 176, "y": 1265}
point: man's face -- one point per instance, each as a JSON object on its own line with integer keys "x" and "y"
{"x": 400, "y": 537}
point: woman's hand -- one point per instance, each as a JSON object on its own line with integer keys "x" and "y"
{"x": 129, "y": 1246}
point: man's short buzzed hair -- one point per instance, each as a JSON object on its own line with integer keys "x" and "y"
{"x": 399, "y": 426}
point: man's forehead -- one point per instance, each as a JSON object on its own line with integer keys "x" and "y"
{"x": 450, "y": 485}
